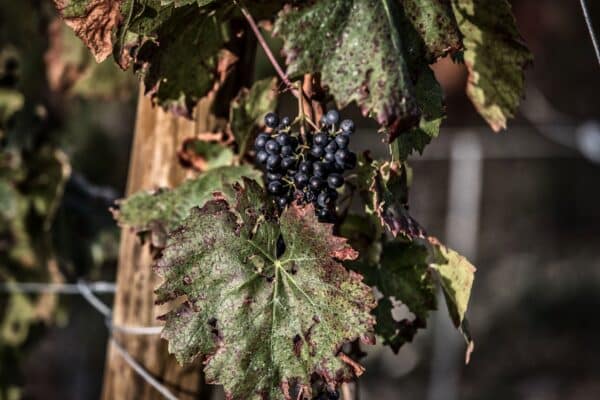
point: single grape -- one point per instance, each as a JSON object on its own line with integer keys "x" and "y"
{"x": 288, "y": 162}
{"x": 332, "y": 116}
{"x": 273, "y": 176}
{"x": 317, "y": 151}
{"x": 329, "y": 157}
{"x": 272, "y": 147}
{"x": 320, "y": 139}
{"x": 271, "y": 120}
{"x": 283, "y": 139}
{"x": 260, "y": 141}
{"x": 324, "y": 121}
{"x": 273, "y": 162}
{"x": 262, "y": 156}
{"x": 319, "y": 169}
{"x": 285, "y": 121}
{"x": 305, "y": 167}
{"x": 275, "y": 187}
{"x": 335, "y": 180}
{"x": 282, "y": 201}
{"x": 286, "y": 150}
{"x": 324, "y": 200}
{"x": 331, "y": 147}
{"x": 342, "y": 140}
{"x": 324, "y": 215}
{"x": 347, "y": 125}
{"x": 341, "y": 156}
{"x": 315, "y": 183}
{"x": 301, "y": 179}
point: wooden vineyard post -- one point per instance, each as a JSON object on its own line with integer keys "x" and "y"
{"x": 153, "y": 164}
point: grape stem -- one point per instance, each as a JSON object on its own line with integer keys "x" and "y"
{"x": 297, "y": 92}
{"x": 267, "y": 50}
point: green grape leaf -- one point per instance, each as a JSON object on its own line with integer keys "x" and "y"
{"x": 180, "y": 65}
{"x": 357, "y": 48}
{"x": 95, "y": 22}
{"x": 386, "y": 192}
{"x": 430, "y": 98}
{"x": 456, "y": 276}
{"x": 165, "y": 209}
{"x": 435, "y": 22}
{"x": 264, "y": 321}
{"x": 495, "y": 56}
{"x": 403, "y": 277}
{"x": 248, "y": 110}
{"x": 428, "y": 92}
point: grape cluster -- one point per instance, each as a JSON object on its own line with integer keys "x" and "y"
{"x": 306, "y": 169}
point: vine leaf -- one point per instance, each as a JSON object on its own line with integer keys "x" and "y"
{"x": 430, "y": 98}
{"x": 180, "y": 65}
{"x": 93, "y": 21}
{"x": 495, "y": 56}
{"x": 435, "y": 22}
{"x": 164, "y": 210}
{"x": 384, "y": 186}
{"x": 263, "y": 324}
{"x": 403, "y": 277}
{"x": 456, "y": 275}
{"x": 356, "y": 47}
{"x": 248, "y": 109}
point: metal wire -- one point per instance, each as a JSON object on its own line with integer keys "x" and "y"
{"x": 590, "y": 27}
{"x": 86, "y": 290}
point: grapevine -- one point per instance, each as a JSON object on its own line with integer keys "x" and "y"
{"x": 272, "y": 250}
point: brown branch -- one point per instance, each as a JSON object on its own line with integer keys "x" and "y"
{"x": 267, "y": 50}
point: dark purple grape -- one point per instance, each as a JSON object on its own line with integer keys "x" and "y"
{"x": 317, "y": 151}
{"x": 342, "y": 140}
{"x": 324, "y": 215}
{"x": 273, "y": 176}
{"x": 324, "y": 200}
{"x": 341, "y": 156}
{"x": 331, "y": 147}
{"x": 319, "y": 169}
{"x": 272, "y": 146}
{"x": 273, "y": 162}
{"x": 315, "y": 183}
{"x": 275, "y": 187}
{"x": 335, "y": 180}
{"x": 271, "y": 120}
{"x": 282, "y": 201}
{"x": 347, "y": 125}
{"x": 288, "y": 162}
{"x": 301, "y": 179}
{"x": 321, "y": 139}
{"x": 286, "y": 150}
{"x": 329, "y": 157}
{"x": 324, "y": 122}
{"x": 285, "y": 121}
{"x": 305, "y": 167}
{"x": 262, "y": 156}
{"x": 332, "y": 116}
{"x": 283, "y": 139}
{"x": 260, "y": 141}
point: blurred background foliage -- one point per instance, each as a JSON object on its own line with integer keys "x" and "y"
{"x": 66, "y": 126}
